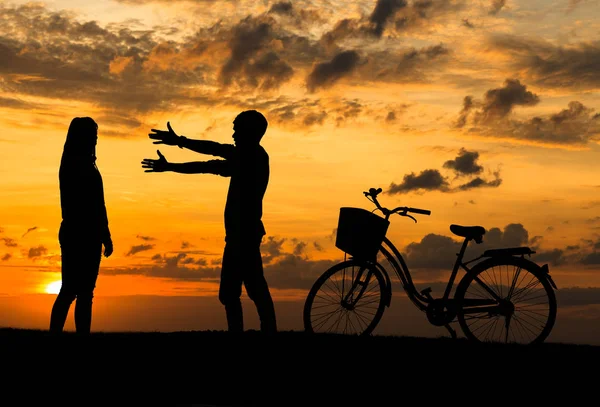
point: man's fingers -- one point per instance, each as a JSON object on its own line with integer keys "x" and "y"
{"x": 169, "y": 127}
{"x": 159, "y": 154}
{"x": 158, "y": 142}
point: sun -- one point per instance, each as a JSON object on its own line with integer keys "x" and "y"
{"x": 53, "y": 287}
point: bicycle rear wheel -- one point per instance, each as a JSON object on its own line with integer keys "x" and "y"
{"x": 506, "y": 300}
{"x": 348, "y": 299}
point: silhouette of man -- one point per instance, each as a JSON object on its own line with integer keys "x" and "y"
{"x": 247, "y": 164}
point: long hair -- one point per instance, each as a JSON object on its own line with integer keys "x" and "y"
{"x": 82, "y": 133}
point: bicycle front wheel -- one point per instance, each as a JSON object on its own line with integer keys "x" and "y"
{"x": 348, "y": 299}
{"x": 507, "y": 300}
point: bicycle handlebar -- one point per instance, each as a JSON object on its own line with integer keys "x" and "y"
{"x": 401, "y": 210}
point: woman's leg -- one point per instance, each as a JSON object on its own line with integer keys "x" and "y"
{"x": 67, "y": 293}
{"x": 90, "y": 266}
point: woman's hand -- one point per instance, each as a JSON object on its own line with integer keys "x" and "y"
{"x": 108, "y": 248}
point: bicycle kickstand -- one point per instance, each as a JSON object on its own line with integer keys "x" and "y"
{"x": 452, "y": 331}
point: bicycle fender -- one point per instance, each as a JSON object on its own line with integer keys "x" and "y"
{"x": 544, "y": 269}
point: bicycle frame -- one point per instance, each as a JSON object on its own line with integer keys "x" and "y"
{"x": 403, "y": 273}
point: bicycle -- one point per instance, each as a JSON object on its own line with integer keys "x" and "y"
{"x": 503, "y": 297}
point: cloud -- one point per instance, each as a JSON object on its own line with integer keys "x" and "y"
{"x": 146, "y": 238}
{"x": 548, "y": 65}
{"x": 464, "y": 165}
{"x": 393, "y": 17}
{"x": 438, "y": 252}
{"x": 325, "y": 74}
{"x": 286, "y": 263}
{"x": 29, "y": 230}
{"x": 38, "y": 251}
{"x": 139, "y": 248}
{"x": 282, "y": 7}
{"x": 252, "y": 61}
{"x": 8, "y": 242}
{"x": 493, "y": 117}
{"x": 468, "y": 23}
{"x": 428, "y": 180}
{"x": 496, "y": 6}
{"x": 6, "y": 257}
{"x": 384, "y": 10}
{"x": 577, "y": 296}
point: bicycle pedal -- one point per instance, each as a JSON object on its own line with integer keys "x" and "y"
{"x": 426, "y": 292}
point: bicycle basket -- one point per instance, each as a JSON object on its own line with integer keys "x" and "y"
{"x": 360, "y": 233}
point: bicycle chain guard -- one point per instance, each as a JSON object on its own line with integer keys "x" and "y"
{"x": 438, "y": 313}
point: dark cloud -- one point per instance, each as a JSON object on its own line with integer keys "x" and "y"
{"x": 35, "y": 252}
{"x": 427, "y": 180}
{"x": 467, "y": 23}
{"x": 577, "y": 296}
{"x": 146, "y": 238}
{"x": 185, "y": 245}
{"x": 395, "y": 17}
{"x": 325, "y": 74}
{"x": 271, "y": 248}
{"x": 139, "y": 248}
{"x": 591, "y": 259}
{"x": 438, "y": 252}
{"x": 6, "y": 257}
{"x": 283, "y": 269}
{"x": 553, "y": 66}
{"x": 480, "y": 183}
{"x": 282, "y": 7}
{"x": 499, "y": 103}
{"x": 29, "y": 230}
{"x": 8, "y": 242}
{"x": 493, "y": 117}
{"x": 251, "y": 62}
{"x": 415, "y": 64}
{"x": 299, "y": 248}
{"x": 464, "y": 165}
{"x": 384, "y": 10}
{"x": 496, "y": 6}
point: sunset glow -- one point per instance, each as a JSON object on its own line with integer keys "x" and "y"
{"x": 53, "y": 287}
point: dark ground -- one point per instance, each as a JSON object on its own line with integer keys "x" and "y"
{"x": 291, "y": 368}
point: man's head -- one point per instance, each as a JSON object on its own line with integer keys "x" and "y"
{"x": 249, "y": 127}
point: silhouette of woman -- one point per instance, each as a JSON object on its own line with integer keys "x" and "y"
{"x": 84, "y": 227}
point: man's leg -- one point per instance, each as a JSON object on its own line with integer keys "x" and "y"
{"x": 230, "y": 289}
{"x": 257, "y": 287}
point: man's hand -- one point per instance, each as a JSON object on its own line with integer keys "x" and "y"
{"x": 108, "y": 248}
{"x": 164, "y": 137}
{"x": 159, "y": 165}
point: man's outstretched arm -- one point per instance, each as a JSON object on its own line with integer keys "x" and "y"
{"x": 171, "y": 138}
{"x": 217, "y": 167}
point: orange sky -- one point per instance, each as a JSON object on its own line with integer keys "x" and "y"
{"x": 484, "y": 112}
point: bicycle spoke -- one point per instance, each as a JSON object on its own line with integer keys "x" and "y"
{"x": 348, "y": 300}
{"x": 526, "y": 304}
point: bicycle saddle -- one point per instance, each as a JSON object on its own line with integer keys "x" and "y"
{"x": 470, "y": 232}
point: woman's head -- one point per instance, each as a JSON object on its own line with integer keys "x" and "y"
{"x": 82, "y": 137}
